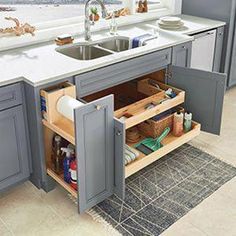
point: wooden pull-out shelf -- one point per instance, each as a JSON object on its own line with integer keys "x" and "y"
{"x": 64, "y": 127}
{"x": 143, "y": 94}
{"x": 59, "y": 179}
{"x": 49, "y": 132}
{"x": 170, "y": 143}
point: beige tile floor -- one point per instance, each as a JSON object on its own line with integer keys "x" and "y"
{"x": 25, "y": 210}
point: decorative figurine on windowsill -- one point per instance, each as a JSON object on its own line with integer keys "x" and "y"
{"x": 19, "y": 29}
{"x": 142, "y": 6}
{"x": 94, "y": 16}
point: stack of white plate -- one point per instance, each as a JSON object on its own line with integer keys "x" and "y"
{"x": 170, "y": 22}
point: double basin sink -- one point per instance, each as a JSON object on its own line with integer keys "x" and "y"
{"x": 90, "y": 51}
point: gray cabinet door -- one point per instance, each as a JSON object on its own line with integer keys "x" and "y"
{"x": 119, "y": 158}
{"x": 94, "y": 132}
{"x": 218, "y": 50}
{"x": 182, "y": 55}
{"x": 204, "y": 95}
{"x": 14, "y": 162}
{"x": 232, "y": 74}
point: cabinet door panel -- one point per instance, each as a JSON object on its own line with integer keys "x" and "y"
{"x": 232, "y": 74}
{"x": 218, "y": 50}
{"x": 94, "y": 125}
{"x": 14, "y": 162}
{"x": 204, "y": 95}
{"x": 182, "y": 55}
{"x": 119, "y": 158}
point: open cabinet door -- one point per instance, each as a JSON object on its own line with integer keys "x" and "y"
{"x": 119, "y": 158}
{"x": 94, "y": 138}
{"x": 204, "y": 95}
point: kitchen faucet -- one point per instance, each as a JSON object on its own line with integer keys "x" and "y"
{"x": 87, "y": 22}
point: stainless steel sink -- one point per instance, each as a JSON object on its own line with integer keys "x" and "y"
{"x": 83, "y": 52}
{"x": 116, "y": 45}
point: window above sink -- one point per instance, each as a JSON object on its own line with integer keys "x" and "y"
{"x": 49, "y": 30}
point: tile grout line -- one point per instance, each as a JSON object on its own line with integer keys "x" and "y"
{"x": 6, "y": 226}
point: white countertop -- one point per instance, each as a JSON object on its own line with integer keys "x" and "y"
{"x": 41, "y": 64}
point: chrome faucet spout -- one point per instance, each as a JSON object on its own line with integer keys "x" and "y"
{"x": 87, "y": 22}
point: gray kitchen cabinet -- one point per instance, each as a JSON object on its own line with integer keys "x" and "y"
{"x": 181, "y": 55}
{"x": 232, "y": 73}
{"x": 94, "y": 132}
{"x": 100, "y": 136}
{"x": 217, "y": 65}
{"x": 204, "y": 95}
{"x": 14, "y": 159}
{"x": 96, "y": 80}
{"x": 218, "y": 10}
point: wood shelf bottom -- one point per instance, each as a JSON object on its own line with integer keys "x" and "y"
{"x": 170, "y": 143}
{"x": 59, "y": 179}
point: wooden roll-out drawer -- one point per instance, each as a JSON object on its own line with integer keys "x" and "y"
{"x": 100, "y": 79}
{"x": 10, "y": 96}
{"x": 170, "y": 143}
{"x": 133, "y": 98}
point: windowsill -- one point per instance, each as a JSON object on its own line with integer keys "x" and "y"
{"x": 48, "y": 32}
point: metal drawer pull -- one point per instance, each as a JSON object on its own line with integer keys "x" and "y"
{"x": 98, "y": 107}
{"x": 184, "y": 47}
{"x": 210, "y": 33}
{"x": 118, "y": 133}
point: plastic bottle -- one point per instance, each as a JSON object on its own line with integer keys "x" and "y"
{"x": 178, "y": 124}
{"x": 73, "y": 174}
{"x": 66, "y": 163}
{"x": 187, "y": 121}
{"x": 56, "y": 154}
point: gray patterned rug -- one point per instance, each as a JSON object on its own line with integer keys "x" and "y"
{"x": 160, "y": 194}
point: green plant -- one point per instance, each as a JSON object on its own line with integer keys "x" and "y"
{"x": 94, "y": 10}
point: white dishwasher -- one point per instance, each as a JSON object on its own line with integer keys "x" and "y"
{"x": 203, "y": 50}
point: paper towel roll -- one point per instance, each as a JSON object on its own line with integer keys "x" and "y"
{"x": 66, "y": 106}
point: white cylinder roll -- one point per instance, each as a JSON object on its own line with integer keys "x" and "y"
{"x": 66, "y": 106}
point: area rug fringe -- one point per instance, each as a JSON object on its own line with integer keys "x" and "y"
{"x": 212, "y": 154}
{"x": 99, "y": 219}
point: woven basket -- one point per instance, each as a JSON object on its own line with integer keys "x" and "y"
{"x": 151, "y": 128}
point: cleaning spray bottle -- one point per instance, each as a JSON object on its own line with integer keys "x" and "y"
{"x": 73, "y": 174}
{"x": 66, "y": 163}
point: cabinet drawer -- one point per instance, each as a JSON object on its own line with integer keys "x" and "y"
{"x": 106, "y": 77}
{"x": 132, "y": 100}
{"x": 10, "y": 96}
{"x": 170, "y": 143}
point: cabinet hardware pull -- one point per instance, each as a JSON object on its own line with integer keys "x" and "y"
{"x": 118, "y": 133}
{"x": 184, "y": 47}
{"x": 210, "y": 33}
{"x": 98, "y": 107}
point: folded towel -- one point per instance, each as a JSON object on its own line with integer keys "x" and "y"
{"x": 130, "y": 154}
{"x": 140, "y": 40}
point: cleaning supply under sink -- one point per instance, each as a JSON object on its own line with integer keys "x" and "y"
{"x": 149, "y": 145}
{"x": 56, "y": 157}
{"x": 130, "y": 154}
{"x": 66, "y": 163}
{"x": 187, "y": 121}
